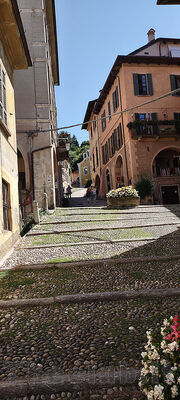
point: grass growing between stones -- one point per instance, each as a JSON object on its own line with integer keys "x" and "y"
{"x": 74, "y": 338}
{"x": 86, "y": 279}
{"x": 67, "y": 238}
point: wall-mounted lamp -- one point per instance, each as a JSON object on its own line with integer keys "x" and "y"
{"x": 67, "y": 146}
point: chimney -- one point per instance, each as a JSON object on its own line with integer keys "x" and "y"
{"x": 151, "y": 35}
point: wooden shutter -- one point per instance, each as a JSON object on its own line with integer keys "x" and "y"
{"x": 109, "y": 145}
{"x": 103, "y": 155}
{"x": 115, "y": 140}
{"x": 173, "y": 83}
{"x": 150, "y": 85}
{"x": 114, "y": 102}
{"x": 117, "y": 97}
{"x": 136, "y": 84}
{"x": 120, "y": 135}
{"x": 155, "y": 127}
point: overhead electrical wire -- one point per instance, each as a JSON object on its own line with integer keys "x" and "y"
{"x": 112, "y": 115}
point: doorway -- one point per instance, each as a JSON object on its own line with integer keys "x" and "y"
{"x": 170, "y": 194}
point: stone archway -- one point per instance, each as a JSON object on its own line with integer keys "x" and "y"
{"x": 119, "y": 172}
{"x": 166, "y": 174}
{"x": 24, "y": 194}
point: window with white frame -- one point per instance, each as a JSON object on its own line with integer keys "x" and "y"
{"x": 3, "y": 110}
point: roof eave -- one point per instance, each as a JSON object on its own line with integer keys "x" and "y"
{"x": 52, "y": 28}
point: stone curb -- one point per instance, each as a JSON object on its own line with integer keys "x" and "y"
{"x": 38, "y": 233}
{"x": 105, "y": 261}
{"x": 92, "y": 297}
{"x": 121, "y": 212}
{"x": 74, "y": 221}
{"x": 85, "y": 243}
{"x": 49, "y": 384}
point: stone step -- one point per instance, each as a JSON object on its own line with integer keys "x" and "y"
{"x": 102, "y": 220}
{"x": 39, "y": 233}
{"x": 92, "y": 297}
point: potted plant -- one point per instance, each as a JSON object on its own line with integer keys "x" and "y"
{"x": 145, "y": 188}
{"x": 123, "y": 197}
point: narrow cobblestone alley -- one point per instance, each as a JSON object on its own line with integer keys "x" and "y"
{"x": 77, "y": 296}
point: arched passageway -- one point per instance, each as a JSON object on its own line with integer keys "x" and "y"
{"x": 119, "y": 173}
{"x": 166, "y": 174}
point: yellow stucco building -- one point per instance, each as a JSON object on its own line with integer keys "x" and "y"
{"x": 14, "y": 55}
{"x": 84, "y": 168}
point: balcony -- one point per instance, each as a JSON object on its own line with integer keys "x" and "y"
{"x": 63, "y": 146}
{"x": 154, "y": 128}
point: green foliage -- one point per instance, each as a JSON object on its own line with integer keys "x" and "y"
{"x": 76, "y": 152}
{"x": 144, "y": 186}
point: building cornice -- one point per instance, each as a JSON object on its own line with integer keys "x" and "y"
{"x": 52, "y": 29}
{"x": 12, "y": 35}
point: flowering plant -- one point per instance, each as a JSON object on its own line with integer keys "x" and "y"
{"x": 160, "y": 375}
{"x": 125, "y": 191}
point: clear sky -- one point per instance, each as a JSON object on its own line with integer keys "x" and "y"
{"x": 91, "y": 33}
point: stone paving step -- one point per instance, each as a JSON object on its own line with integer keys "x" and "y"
{"x": 94, "y": 262}
{"x": 131, "y": 240}
{"x": 48, "y": 384}
{"x": 59, "y": 222}
{"x": 39, "y": 233}
{"x": 92, "y": 297}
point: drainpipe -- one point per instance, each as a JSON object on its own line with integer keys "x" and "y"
{"x": 122, "y": 117}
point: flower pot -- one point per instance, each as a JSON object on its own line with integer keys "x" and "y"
{"x": 123, "y": 202}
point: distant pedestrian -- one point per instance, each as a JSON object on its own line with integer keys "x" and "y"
{"x": 94, "y": 194}
{"x": 69, "y": 192}
{"x": 88, "y": 194}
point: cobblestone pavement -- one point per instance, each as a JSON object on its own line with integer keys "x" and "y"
{"x": 78, "y": 338}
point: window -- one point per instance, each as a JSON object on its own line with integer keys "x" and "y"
{"x": 143, "y": 84}
{"x": 145, "y": 128}
{"x": 106, "y": 152}
{"x": 94, "y": 124}
{"x": 103, "y": 155}
{"x": 93, "y": 163}
{"x": 175, "y": 83}
{"x": 91, "y": 132}
{"x": 109, "y": 110}
{"x": 6, "y": 205}
{"x": 3, "y": 111}
{"x": 119, "y": 137}
{"x": 109, "y": 146}
{"x": 97, "y": 157}
{"x": 115, "y": 99}
{"x": 85, "y": 171}
{"x": 103, "y": 121}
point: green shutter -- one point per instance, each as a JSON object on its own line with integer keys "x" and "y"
{"x": 173, "y": 83}
{"x": 136, "y": 84}
{"x": 114, "y": 102}
{"x": 120, "y": 135}
{"x": 150, "y": 85}
{"x": 155, "y": 127}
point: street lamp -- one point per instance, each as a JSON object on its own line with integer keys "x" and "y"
{"x": 67, "y": 146}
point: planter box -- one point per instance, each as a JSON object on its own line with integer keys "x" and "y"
{"x": 122, "y": 202}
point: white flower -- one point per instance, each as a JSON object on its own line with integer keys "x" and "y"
{"x": 169, "y": 378}
{"x": 173, "y": 368}
{"x": 150, "y": 395}
{"x": 163, "y": 362}
{"x": 144, "y": 354}
{"x": 158, "y": 392}
{"x": 144, "y": 371}
{"x": 163, "y": 345}
{"x": 153, "y": 370}
{"x": 173, "y": 346}
{"x": 178, "y": 380}
{"x": 174, "y": 391}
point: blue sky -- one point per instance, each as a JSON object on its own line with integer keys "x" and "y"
{"x": 91, "y": 33}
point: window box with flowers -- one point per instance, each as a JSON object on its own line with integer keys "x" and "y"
{"x": 123, "y": 197}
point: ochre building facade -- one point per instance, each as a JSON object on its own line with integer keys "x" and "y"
{"x": 144, "y": 140}
{"x": 13, "y": 55}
